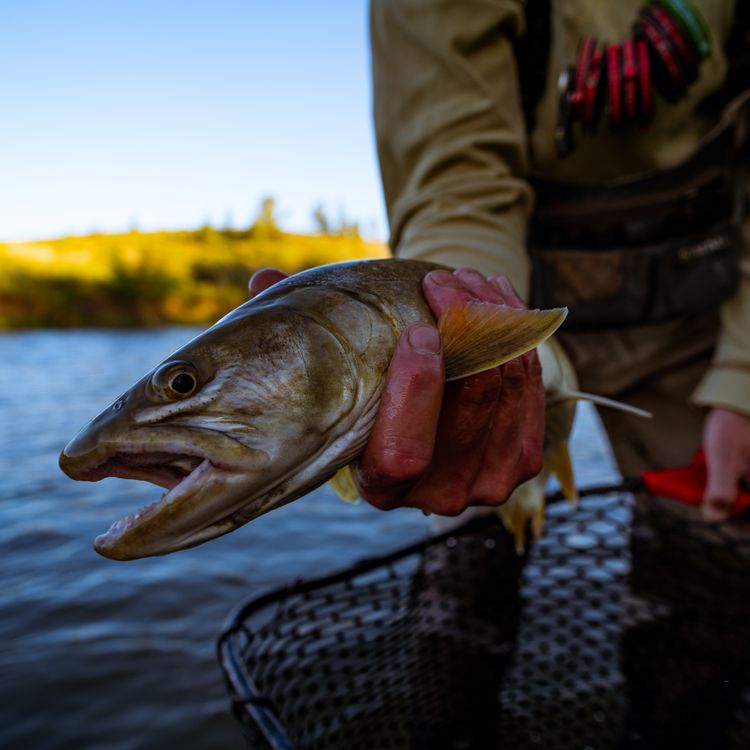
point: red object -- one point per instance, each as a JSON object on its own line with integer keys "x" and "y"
{"x": 684, "y": 50}
{"x": 630, "y": 80}
{"x": 688, "y": 485}
{"x": 662, "y": 48}
{"x": 585, "y": 52}
{"x": 591, "y": 89}
{"x": 614, "y": 84}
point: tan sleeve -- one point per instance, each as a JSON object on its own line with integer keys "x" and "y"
{"x": 727, "y": 382}
{"x": 450, "y": 132}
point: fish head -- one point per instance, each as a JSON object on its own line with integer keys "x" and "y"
{"x": 226, "y": 425}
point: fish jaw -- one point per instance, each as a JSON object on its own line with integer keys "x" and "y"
{"x": 206, "y": 499}
{"x": 201, "y": 489}
{"x": 197, "y": 505}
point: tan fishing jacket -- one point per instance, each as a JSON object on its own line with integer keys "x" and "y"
{"x": 455, "y": 154}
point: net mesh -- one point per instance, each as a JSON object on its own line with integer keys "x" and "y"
{"x": 624, "y": 626}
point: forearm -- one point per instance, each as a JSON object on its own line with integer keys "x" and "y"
{"x": 451, "y": 134}
{"x": 727, "y": 382}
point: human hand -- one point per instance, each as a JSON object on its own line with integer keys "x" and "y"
{"x": 261, "y": 280}
{"x": 726, "y": 442}
{"x": 443, "y": 447}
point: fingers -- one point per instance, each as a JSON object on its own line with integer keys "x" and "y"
{"x": 402, "y": 440}
{"x": 725, "y": 469}
{"x": 469, "y": 406}
{"x": 514, "y": 451}
{"x": 443, "y": 289}
{"x": 532, "y": 398}
{"x": 261, "y": 280}
{"x": 480, "y": 287}
{"x": 726, "y": 439}
{"x": 532, "y": 417}
{"x": 444, "y": 447}
{"x": 468, "y": 410}
{"x": 505, "y": 288}
{"x": 499, "y": 472}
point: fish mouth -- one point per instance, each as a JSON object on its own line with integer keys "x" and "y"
{"x": 190, "y": 511}
{"x": 165, "y": 470}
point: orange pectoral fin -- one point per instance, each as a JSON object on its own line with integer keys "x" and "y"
{"x": 479, "y": 335}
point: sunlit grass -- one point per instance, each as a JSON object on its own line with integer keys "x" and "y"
{"x": 152, "y": 278}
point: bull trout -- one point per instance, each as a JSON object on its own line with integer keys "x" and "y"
{"x": 276, "y": 398}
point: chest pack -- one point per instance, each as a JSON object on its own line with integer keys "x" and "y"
{"x": 647, "y": 247}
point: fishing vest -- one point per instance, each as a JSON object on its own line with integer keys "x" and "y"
{"x": 647, "y": 247}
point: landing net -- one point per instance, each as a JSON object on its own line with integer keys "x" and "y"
{"x": 625, "y": 626}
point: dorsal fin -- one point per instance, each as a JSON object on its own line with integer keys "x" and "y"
{"x": 479, "y": 335}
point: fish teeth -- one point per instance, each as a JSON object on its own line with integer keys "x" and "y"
{"x": 147, "y": 508}
{"x": 124, "y": 523}
{"x": 128, "y": 520}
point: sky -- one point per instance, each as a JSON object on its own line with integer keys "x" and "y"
{"x": 167, "y": 115}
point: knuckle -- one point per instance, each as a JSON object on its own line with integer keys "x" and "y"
{"x": 490, "y": 499}
{"x": 480, "y": 389}
{"x": 397, "y": 466}
{"x": 491, "y": 494}
{"x": 450, "y": 499}
{"x": 453, "y": 505}
{"x": 514, "y": 376}
{"x": 529, "y": 468}
{"x": 532, "y": 460}
{"x": 377, "y": 501}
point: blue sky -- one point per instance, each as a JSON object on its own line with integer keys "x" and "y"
{"x": 162, "y": 114}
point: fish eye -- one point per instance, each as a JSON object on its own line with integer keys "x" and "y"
{"x": 174, "y": 380}
{"x": 183, "y": 383}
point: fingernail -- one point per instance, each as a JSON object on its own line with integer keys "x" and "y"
{"x": 502, "y": 282}
{"x": 424, "y": 339}
{"x": 469, "y": 273}
{"x": 441, "y": 278}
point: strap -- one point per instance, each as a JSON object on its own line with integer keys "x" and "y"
{"x": 532, "y": 56}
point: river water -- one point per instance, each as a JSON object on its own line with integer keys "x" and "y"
{"x": 120, "y": 656}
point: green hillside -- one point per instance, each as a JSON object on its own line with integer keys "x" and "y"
{"x": 148, "y": 279}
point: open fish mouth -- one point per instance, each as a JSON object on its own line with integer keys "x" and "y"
{"x": 166, "y": 470}
{"x": 178, "y": 518}
{"x": 174, "y": 472}
{"x": 108, "y": 543}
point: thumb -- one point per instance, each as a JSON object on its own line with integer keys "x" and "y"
{"x": 724, "y": 472}
{"x": 261, "y": 280}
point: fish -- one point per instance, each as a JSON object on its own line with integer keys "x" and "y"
{"x": 276, "y": 398}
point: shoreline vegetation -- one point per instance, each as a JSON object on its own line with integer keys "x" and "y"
{"x": 139, "y": 279}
